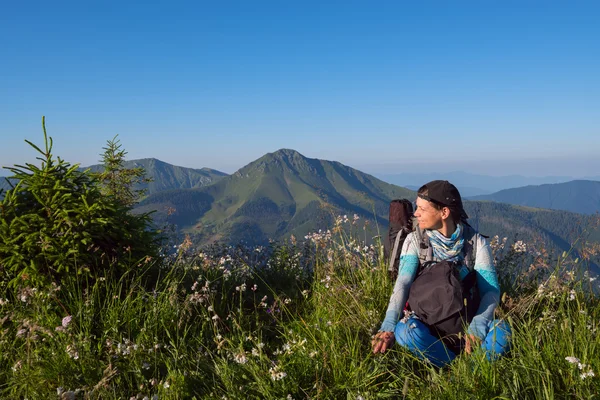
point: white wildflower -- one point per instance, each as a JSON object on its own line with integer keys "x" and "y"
{"x": 72, "y": 352}
{"x": 18, "y": 365}
{"x": 241, "y": 288}
{"x": 588, "y": 374}
{"x": 66, "y": 321}
{"x": 519, "y": 247}
{"x": 240, "y": 358}
{"x": 572, "y": 360}
{"x": 276, "y": 374}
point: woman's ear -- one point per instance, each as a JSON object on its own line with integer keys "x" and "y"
{"x": 445, "y": 212}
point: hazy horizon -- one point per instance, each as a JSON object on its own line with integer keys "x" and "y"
{"x": 583, "y": 168}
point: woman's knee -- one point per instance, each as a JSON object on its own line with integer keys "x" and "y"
{"x": 413, "y": 334}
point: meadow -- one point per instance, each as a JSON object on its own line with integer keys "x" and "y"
{"x": 288, "y": 321}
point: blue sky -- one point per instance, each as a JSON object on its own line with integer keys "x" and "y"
{"x": 496, "y": 87}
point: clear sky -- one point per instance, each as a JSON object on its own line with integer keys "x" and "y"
{"x": 511, "y": 86}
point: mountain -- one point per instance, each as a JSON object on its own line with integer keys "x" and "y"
{"x": 279, "y": 194}
{"x": 576, "y": 196}
{"x": 4, "y": 186}
{"x": 285, "y": 193}
{"x": 168, "y": 177}
{"x": 164, "y": 176}
{"x": 470, "y": 184}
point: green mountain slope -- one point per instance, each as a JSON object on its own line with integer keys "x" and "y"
{"x": 279, "y": 194}
{"x": 578, "y": 196}
{"x": 285, "y": 193}
{"x": 168, "y": 177}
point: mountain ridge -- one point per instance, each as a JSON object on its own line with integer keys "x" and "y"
{"x": 578, "y": 196}
{"x": 472, "y": 184}
{"x": 284, "y": 193}
{"x": 165, "y": 176}
{"x": 293, "y": 189}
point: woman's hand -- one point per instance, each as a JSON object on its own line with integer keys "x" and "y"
{"x": 471, "y": 343}
{"x": 382, "y": 341}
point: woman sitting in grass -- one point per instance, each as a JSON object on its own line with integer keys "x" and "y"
{"x": 444, "y": 235}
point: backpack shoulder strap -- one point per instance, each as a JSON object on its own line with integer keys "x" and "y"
{"x": 425, "y": 250}
{"x": 395, "y": 251}
{"x": 470, "y": 246}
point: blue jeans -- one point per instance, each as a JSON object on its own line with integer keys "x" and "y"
{"x": 416, "y": 337}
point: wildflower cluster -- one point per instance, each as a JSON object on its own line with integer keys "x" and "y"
{"x": 588, "y": 372}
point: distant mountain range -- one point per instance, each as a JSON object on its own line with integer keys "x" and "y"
{"x": 576, "y": 196}
{"x": 165, "y": 176}
{"x": 285, "y": 193}
{"x": 3, "y": 184}
{"x": 473, "y": 184}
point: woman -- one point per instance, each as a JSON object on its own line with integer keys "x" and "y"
{"x": 441, "y": 217}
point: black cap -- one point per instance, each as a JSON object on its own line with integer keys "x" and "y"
{"x": 444, "y": 194}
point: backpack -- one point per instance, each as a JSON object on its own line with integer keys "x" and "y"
{"x": 438, "y": 296}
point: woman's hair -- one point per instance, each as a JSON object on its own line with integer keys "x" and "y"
{"x": 455, "y": 212}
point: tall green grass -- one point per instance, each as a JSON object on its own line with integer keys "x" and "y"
{"x": 290, "y": 321}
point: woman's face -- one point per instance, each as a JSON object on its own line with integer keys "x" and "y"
{"x": 427, "y": 215}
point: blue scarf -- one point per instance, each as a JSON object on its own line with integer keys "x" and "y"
{"x": 447, "y": 248}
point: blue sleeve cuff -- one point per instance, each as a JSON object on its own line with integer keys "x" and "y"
{"x": 390, "y": 321}
{"x": 478, "y": 327}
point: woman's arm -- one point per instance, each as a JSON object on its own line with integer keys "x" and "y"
{"x": 489, "y": 289}
{"x": 409, "y": 263}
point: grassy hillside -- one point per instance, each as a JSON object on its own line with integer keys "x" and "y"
{"x": 285, "y": 193}
{"x": 279, "y": 194}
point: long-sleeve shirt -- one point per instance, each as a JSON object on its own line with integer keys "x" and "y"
{"x": 487, "y": 282}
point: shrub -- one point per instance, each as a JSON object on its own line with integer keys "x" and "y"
{"x": 56, "y": 224}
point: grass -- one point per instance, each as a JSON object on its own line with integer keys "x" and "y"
{"x": 291, "y": 321}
